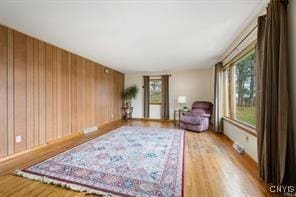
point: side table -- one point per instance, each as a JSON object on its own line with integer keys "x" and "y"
{"x": 177, "y": 115}
{"x": 127, "y": 112}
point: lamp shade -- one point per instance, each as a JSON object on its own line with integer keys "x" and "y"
{"x": 181, "y": 99}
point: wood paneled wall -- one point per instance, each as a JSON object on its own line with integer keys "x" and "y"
{"x": 48, "y": 93}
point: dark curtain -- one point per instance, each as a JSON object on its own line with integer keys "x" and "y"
{"x": 146, "y": 96}
{"x": 276, "y": 152}
{"x": 218, "y": 98}
{"x": 165, "y": 97}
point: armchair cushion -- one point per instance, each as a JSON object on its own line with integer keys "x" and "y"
{"x": 191, "y": 119}
{"x": 206, "y": 115}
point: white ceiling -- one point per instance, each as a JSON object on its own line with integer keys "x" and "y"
{"x": 135, "y": 36}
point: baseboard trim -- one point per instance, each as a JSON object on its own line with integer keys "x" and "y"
{"x": 109, "y": 124}
{"x": 41, "y": 146}
{"x": 152, "y": 119}
{"x": 56, "y": 141}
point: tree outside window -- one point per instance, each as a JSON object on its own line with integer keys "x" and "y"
{"x": 155, "y": 91}
{"x": 245, "y": 89}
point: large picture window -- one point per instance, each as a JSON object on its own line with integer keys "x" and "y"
{"x": 239, "y": 89}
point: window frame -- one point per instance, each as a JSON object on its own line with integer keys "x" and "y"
{"x": 230, "y": 66}
{"x": 150, "y": 103}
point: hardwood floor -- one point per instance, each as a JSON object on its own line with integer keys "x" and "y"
{"x": 212, "y": 167}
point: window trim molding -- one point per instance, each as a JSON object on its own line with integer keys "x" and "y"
{"x": 240, "y": 55}
{"x": 155, "y": 103}
{"x": 244, "y": 52}
{"x": 247, "y": 128}
{"x": 155, "y": 79}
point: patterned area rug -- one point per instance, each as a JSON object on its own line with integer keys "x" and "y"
{"x": 129, "y": 161}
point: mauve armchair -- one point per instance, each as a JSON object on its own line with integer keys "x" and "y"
{"x": 198, "y": 119}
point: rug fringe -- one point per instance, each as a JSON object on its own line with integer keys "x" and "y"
{"x": 50, "y": 181}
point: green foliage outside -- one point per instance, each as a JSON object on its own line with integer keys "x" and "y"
{"x": 155, "y": 92}
{"x": 155, "y": 98}
{"x": 246, "y": 80}
{"x": 246, "y": 115}
{"x": 245, "y": 90}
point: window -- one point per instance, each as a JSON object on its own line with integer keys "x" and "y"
{"x": 245, "y": 83}
{"x": 226, "y": 95}
{"x": 239, "y": 88}
{"x": 155, "y": 91}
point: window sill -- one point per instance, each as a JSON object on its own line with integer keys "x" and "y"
{"x": 155, "y": 103}
{"x": 247, "y": 129}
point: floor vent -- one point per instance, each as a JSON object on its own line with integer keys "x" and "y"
{"x": 238, "y": 148}
{"x": 90, "y": 129}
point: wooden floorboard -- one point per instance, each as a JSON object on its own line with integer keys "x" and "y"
{"x": 212, "y": 167}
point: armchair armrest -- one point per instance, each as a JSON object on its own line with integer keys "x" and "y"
{"x": 186, "y": 113}
{"x": 206, "y": 115}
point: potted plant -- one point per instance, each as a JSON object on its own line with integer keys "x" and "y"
{"x": 128, "y": 94}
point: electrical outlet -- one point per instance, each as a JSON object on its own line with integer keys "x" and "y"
{"x": 247, "y": 139}
{"x": 90, "y": 129}
{"x": 18, "y": 139}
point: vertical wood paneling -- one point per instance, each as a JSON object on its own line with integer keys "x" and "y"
{"x": 120, "y": 87}
{"x": 74, "y": 115}
{"x": 36, "y": 91}
{"x": 55, "y": 92}
{"x": 87, "y": 94}
{"x": 69, "y": 94}
{"x": 10, "y": 81}
{"x": 110, "y": 95}
{"x": 79, "y": 93}
{"x": 96, "y": 89}
{"x": 83, "y": 91}
{"x": 65, "y": 92}
{"x": 42, "y": 94}
{"x": 30, "y": 92}
{"x": 60, "y": 93}
{"x": 116, "y": 94}
{"x": 121, "y": 90}
{"x": 106, "y": 95}
{"x": 3, "y": 92}
{"x": 91, "y": 93}
{"x": 47, "y": 93}
{"x": 114, "y": 112}
{"x": 20, "y": 96}
{"x": 111, "y": 86}
{"x": 100, "y": 100}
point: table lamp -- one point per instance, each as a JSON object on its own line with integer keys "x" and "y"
{"x": 182, "y": 101}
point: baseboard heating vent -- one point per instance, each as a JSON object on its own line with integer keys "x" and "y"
{"x": 238, "y": 148}
{"x": 90, "y": 129}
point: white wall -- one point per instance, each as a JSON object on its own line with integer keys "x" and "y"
{"x": 197, "y": 84}
{"x": 292, "y": 50}
{"x": 248, "y": 141}
{"x": 155, "y": 111}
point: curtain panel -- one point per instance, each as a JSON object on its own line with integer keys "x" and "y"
{"x": 218, "y": 97}
{"x": 276, "y": 152}
{"x": 146, "y": 96}
{"x": 165, "y": 97}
